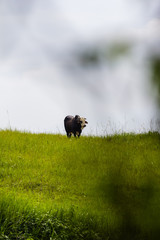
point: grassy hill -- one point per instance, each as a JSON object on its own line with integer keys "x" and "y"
{"x": 52, "y": 187}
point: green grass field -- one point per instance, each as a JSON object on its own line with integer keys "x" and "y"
{"x": 97, "y": 188}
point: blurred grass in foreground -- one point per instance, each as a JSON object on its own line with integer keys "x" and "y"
{"x": 52, "y": 187}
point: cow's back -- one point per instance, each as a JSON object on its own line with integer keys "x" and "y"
{"x": 68, "y": 122}
{"x": 68, "y": 118}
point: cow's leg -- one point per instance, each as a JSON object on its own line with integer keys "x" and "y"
{"x": 79, "y": 133}
{"x": 69, "y": 134}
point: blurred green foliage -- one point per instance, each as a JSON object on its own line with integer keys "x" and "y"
{"x": 94, "y": 56}
{"x": 118, "y": 50}
{"x": 155, "y": 74}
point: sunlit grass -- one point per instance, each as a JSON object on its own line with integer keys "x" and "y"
{"x": 109, "y": 184}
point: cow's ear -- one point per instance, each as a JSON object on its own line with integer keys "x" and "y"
{"x": 77, "y": 118}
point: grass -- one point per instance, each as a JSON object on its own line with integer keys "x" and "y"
{"x": 52, "y": 187}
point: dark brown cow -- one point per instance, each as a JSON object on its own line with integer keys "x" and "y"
{"x": 74, "y": 125}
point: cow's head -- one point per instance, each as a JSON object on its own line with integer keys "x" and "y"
{"x": 83, "y": 122}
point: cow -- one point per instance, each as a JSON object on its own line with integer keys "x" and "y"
{"x": 74, "y": 125}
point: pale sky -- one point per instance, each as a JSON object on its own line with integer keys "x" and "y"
{"x": 42, "y": 78}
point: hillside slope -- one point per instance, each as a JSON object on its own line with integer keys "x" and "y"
{"x": 95, "y": 187}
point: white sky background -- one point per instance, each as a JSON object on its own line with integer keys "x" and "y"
{"x": 42, "y": 80}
